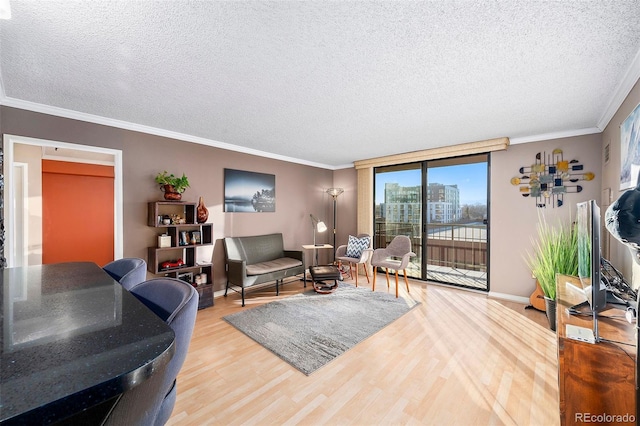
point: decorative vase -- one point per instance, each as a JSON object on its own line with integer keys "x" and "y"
{"x": 550, "y": 309}
{"x": 202, "y": 214}
{"x": 170, "y": 193}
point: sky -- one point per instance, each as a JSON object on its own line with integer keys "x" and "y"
{"x": 470, "y": 178}
{"x": 241, "y": 184}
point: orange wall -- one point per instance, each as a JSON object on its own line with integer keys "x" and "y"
{"x": 77, "y": 207}
{"x": 300, "y": 188}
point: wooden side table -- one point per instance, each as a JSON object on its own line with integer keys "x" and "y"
{"x": 594, "y": 379}
{"x": 315, "y": 249}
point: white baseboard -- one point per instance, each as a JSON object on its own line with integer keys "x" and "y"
{"x": 219, "y": 293}
{"x": 509, "y": 297}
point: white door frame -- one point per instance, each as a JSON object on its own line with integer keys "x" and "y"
{"x": 19, "y": 205}
{"x": 10, "y": 191}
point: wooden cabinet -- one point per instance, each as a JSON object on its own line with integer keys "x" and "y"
{"x": 594, "y": 379}
{"x": 186, "y": 235}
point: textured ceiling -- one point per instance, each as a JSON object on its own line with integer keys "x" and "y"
{"x": 324, "y": 83}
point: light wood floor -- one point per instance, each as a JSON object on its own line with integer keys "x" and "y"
{"x": 459, "y": 358}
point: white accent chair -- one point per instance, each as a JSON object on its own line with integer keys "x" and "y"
{"x": 395, "y": 256}
{"x": 341, "y": 255}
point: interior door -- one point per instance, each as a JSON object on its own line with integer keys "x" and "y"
{"x": 77, "y": 212}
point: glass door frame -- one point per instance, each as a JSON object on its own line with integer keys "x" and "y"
{"x": 423, "y": 166}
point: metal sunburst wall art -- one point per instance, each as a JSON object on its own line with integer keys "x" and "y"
{"x": 550, "y": 177}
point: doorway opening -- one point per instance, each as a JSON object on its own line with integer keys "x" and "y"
{"x": 23, "y": 217}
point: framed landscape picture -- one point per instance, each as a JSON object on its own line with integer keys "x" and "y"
{"x": 630, "y": 150}
{"x": 249, "y": 191}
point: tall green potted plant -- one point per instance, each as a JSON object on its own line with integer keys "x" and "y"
{"x": 555, "y": 251}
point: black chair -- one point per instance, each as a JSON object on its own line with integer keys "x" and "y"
{"x": 151, "y": 402}
{"x": 128, "y": 271}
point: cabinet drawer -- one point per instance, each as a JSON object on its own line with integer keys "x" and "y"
{"x": 206, "y": 296}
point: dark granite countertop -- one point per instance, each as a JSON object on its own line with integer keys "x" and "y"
{"x": 72, "y": 338}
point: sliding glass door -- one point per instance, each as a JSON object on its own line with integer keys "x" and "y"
{"x": 457, "y": 218}
{"x": 442, "y": 205}
{"x": 398, "y": 209}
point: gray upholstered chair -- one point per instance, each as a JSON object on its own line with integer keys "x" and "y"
{"x": 356, "y": 254}
{"x": 395, "y": 256}
{"x": 128, "y": 271}
{"x": 151, "y": 402}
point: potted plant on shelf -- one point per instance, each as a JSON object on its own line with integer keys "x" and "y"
{"x": 554, "y": 252}
{"x": 172, "y": 186}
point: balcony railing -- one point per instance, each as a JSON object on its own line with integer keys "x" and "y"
{"x": 458, "y": 249}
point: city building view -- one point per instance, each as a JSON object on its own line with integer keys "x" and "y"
{"x": 447, "y": 227}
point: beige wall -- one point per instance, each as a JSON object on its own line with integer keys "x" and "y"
{"x": 514, "y": 218}
{"x": 619, "y": 255}
{"x": 347, "y": 203}
{"x": 299, "y": 189}
{"x": 510, "y": 217}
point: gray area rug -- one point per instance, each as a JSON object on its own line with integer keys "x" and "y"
{"x": 309, "y": 329}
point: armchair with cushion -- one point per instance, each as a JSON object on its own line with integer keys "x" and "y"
{"x": 395, "y": 256}
{"x": 152, "y": 401}
{"x": 356, "y": 252}
{"x": 128, "y": 271}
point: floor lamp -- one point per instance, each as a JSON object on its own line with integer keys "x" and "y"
{"x": 318, "y": 226}
{"x": 334, "y": 192}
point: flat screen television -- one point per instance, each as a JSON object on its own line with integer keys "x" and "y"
{"x": 588, "y": 228}
{"x": 589, "y": 258}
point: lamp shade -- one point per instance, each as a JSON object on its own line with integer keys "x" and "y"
{"x": 334, "y": 192}
{"x": 317, "y": 224}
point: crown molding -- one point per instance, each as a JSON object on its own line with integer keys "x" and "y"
{"x": 555, "y": 135}
{"x": 96, "y": 119}
{"x": 623, "y": 89}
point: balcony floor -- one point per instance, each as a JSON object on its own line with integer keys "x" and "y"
{"x": 455, "y": 276}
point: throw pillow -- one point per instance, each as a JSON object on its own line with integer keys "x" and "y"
{"x": 356, "y": 246}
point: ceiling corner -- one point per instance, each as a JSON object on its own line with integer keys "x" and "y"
{"x": 622, "y": 91}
